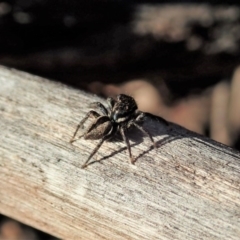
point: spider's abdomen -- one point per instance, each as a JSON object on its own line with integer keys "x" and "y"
{"x": 101, "y": 128}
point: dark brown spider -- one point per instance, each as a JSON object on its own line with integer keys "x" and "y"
{"x": 118, "y": 117}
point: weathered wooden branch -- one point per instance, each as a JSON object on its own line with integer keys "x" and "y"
{"x": 189, "y": 188}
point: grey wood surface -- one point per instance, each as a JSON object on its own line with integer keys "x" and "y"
{"x": 188, "y": 188}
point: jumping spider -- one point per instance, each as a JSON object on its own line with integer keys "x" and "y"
{"x": 120, "y": 115}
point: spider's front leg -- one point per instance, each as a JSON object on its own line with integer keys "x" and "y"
{"x": 89, "y": 114}
{"x": 126, "y": 140}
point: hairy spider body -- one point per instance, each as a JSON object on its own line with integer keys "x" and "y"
{"x": 120, "y": 115}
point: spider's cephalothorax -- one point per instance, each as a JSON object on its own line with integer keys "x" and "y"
{"x": 120, "y": 115}
{"x": 123, "y": 109}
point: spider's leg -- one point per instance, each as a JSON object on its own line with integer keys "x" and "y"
{"x": 99, "y": 106}
{"x": 126, "y": 140}
{"x": 93, "y": 152}
{"x": 111, "y": 102}
{"x": 143, "y": 130}
{"x": 89, "y": 114}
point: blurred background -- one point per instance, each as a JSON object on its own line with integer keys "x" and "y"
{"x": 179, "y": 60}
